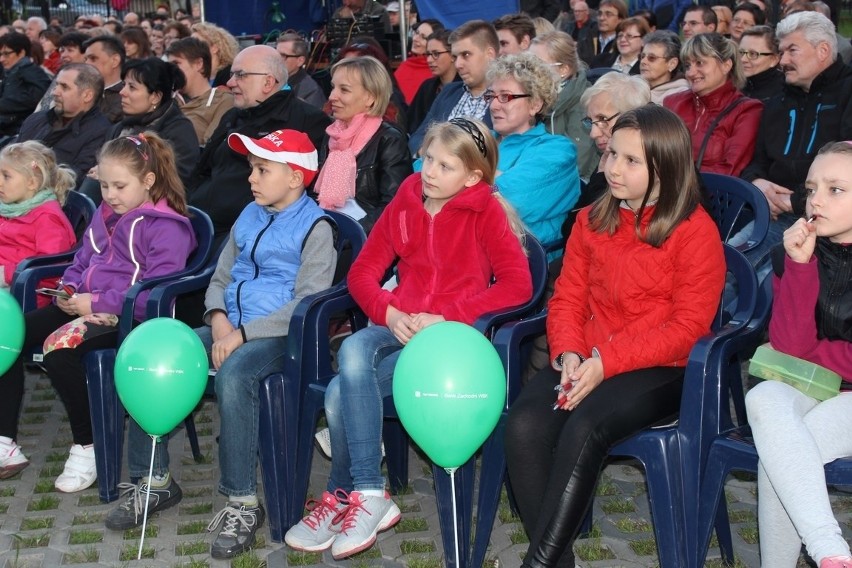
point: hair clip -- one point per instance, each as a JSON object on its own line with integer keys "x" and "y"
{"x": 469, "y": 127}
{"x": 138, "y": 142}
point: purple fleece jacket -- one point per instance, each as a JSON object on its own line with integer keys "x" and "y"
{"x": 151, "y": 240}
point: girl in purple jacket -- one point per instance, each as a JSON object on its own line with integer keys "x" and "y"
{"x": 795, "y": 435}
{"x": 139, "y": 231}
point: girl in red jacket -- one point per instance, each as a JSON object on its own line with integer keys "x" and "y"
{"x": 795, "y": 435}
{"x": 32, "y": 191}
{"x": 450, "y": 235}
{"x": 642, "y": 278}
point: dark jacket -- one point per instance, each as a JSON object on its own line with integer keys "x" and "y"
{"x": 440, "y": 110}
{"x": 170, "y": 123}
{"x": 586, "y": 38}
{"x": 306, "y": 88}
{"x": 220, "y": 184}
{"x": 111, "y": 102}
{"x": 795, "y": 125}
{"x": 547, "y": 9}
{"x": 382, "y": 165}
{"x": 21, "y": 90}
{"x": 765, "y": 85}
{"x": 426, "y": 95}
{"x": 75, "y": 144}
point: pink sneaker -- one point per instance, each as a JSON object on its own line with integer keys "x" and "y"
{"x": 316, "y": 531}
{"x": 836, "y": 562}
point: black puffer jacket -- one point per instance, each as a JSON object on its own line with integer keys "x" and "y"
{"x": 220, "y": 183}
{"x": 834, "y": 304}
{"x": 21, "y": 90}
{"x": 796, "y": 125}
{"x": 382, "y": 165}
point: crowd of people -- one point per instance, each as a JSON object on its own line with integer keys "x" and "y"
{"x": 584, "y": 125}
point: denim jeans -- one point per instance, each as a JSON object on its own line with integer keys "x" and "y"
{"x": 353, "y": 408}
{"x": 237, "y": 393}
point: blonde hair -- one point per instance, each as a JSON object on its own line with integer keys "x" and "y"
{"x": 221, "y": 38}
{"x": 34, "y": 160}
{"x": 535, "y": 77}
{"x": 374, "y": 78}
{"x": 718, "y": 47}
{"x": 148, "y": 153}
{"x": 471, "y": 141}
{"x": 562, "y": 49}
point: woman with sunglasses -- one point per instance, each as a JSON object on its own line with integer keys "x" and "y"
{"x": 721, "y": 120}
{"x": 413, "y": 71}
{"x": 443, "y": 70}
{"x": 659, "y": 65}
{"x": 537, "y": 171}
{"x": 760, "y": 57}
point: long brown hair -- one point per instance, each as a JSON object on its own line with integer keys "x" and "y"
{"x": 144, "y": 153}
{"x": 668, "y": 154}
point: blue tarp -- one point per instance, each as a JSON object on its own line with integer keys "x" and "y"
{"x": 453, "y": 13}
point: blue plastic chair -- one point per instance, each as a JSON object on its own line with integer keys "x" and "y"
{"x": 106, "y": 410}
{"x": 673, "y": 456}
{"x": 317, "y": 373}
{"x": 733, "y": 204}
{"x": 79, "y": 209}
{"x": 278, "y": 403}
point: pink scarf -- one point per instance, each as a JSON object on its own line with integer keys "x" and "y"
{"x": 336, "y": 182}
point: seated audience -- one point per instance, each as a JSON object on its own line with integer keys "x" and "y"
{"x": 223, "y": 49}
{"x": 698, "y": 20}
{"x": 137, "y": 45}
{"x": 660, "y": 65}
{"x": 412, "y": 72}
{"x": 759, "y": 57}
{"x": 23, "y": 85}
{"x": 628, "y": 46}
{"x": 294, "y": 51}
{"x": 444, "y": 72}
{"x": 515, "y": 32}
{"x": 106, "y": 54}
{"x": 746, "y": 15}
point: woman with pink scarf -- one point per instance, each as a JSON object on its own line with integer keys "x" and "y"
{"x": 363, "y": 158}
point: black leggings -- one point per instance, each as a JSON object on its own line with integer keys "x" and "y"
{"x": 555, "y": 456}
{"x": 64, "y": 367}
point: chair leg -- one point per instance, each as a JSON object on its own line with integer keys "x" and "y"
{"x": 308, "y": 415}
{"x": 464, "y": 511}
{"x": 192, "y": 435}
{"x": 107, "y": 414}
{"x": 492, "y": 473}
{"x": 396, "y": 447}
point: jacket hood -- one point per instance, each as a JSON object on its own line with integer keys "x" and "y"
{"x": 572, "y": 90}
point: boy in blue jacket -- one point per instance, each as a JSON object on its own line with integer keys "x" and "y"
{"x": 280, "y": 250}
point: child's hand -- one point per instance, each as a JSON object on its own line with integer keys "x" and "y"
{"x": 424, "y": 320}
{"x": 223, "y": 348}
{"x": 220, "y": 326}
{"x": 80, "y": 304}
{"x": 63, "y": 305}
{"x": 586, "y": 378}
{"x": 400, "y": 324}
{"x": 800, "y": 240}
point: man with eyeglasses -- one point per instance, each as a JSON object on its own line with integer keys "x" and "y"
{"x": 698, "y": 20}
{"x": 221, "y": 187}
{"x": 293, "y": 49}
{"x": 474, "y": 46}
{"x": 23, "y": 85}
{"x": 600, "y": 37}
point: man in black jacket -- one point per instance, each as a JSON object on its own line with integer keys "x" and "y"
{"x": 75, "y": 127}
{"x": 23, "y": 85}
{"x": 813, "y": 109}
{"x": 222, "y": 188}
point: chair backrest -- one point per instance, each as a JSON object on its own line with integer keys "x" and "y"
{"x": 734, "y": 203}
{"x": 596, "y": 73}
{"x": 202, "y": 226}
{"x": 79, "y": 209}
{"x": 349, "y": 240}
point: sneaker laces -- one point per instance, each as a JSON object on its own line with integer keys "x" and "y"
{"x": 232, "y": 517}
{"x": 349, "y": 515}
{"x": 134, "y": 495}
{"x": 320, "y": 509}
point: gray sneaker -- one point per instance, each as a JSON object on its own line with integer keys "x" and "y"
{"x": 239, "y": 528}
{"x": 316, "y": 531}
{"x": 364, "y": 518}
{"x": 129, "y": 515}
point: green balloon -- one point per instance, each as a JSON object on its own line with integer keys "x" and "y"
{"x": 11, "y": 330}
{"x": 449, "y": 389}
{"x": 160, "y": 374}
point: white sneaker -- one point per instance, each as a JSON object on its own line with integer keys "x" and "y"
{"x": 323, "y": 441}
{"x": 365, "y": 517}
{"x": 12, "y": 459}
{"x": 317, "y": 530}
{"x": 80, "y": 470}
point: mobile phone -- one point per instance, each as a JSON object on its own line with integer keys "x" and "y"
{"x": 53, "y": 292}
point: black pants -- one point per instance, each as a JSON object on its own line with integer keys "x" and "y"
{"x": 555, "y": 456}
{"x": 64, "y": 368}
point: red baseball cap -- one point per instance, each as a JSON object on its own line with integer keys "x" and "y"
{"x": 289, "y": 147}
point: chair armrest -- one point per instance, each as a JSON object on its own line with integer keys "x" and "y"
{"x": 25, "y": 283}
{"x": 162, "y": 297}
{"x": 488, "y": 322}
{"x": 44, "y": 260}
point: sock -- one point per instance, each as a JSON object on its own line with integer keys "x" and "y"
{"x": 245, "y": 500}
{"x": 158, "y": 482}
{"x": 7, "y": 441}
{"x": 373, "y": 492}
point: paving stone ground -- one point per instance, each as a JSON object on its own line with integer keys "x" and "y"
{"x": 40, "y": 527}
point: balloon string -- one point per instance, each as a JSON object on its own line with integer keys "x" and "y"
{"x": 147, "y": 496}
{"x": 452, "y": 472}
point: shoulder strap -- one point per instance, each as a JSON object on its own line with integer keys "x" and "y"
{"x": 725, "y": 112}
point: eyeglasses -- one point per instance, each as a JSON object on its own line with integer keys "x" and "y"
{"x": 502, "y": 97}
{"x": 690, "y": 23}
{"x": 240, "y": 75}
{"x": 752, "y": 55}
{"x": 600, "y": 123}
{"x": 624, "y": 35}
{"x": 435, "y": 54}
{"x": 651, "y": 57}
{"x": 287, "y": 56}
{"x": 6, "y": 52}
{"x": 583, "y": 11}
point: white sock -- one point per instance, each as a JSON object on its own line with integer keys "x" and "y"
{"x": 247, "y": 500}
{"x": 158, "y": 482}
{"x": 373, "y": 492}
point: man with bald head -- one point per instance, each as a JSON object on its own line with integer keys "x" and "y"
{"x": 222, "y": 188}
